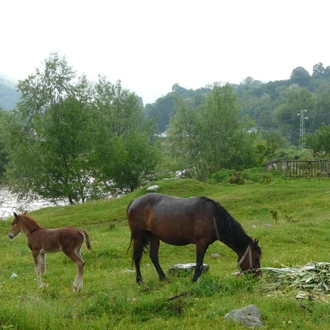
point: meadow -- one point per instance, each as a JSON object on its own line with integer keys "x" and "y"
{"x": 290, "y": 217}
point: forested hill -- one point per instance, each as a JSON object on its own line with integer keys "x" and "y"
{"x": 9, "y": 95}
{"x": 271, "y": 105}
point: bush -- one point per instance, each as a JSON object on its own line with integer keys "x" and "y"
{"x": 221, "y": 176}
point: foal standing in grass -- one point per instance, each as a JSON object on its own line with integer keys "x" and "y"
{"x": 42, "y": 240}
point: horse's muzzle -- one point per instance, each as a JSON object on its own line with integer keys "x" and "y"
{"x": 10, "y": 235}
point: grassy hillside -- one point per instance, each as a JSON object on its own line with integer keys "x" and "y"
{"x": 291, "y": 219}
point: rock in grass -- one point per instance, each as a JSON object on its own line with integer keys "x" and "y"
{"x": 249, "y": 316}
{"x": 182, "y": 269}
{"x": 153, "y": 188}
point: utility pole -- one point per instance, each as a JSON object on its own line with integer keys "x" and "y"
{"x": 302, "y": 128}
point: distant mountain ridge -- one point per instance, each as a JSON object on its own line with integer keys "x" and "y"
{"x": 9, "y": 96}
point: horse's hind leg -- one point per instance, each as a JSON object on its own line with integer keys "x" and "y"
{"x": 137, "y": 255}
{"x": 43, "y": 263}
{"x": 76, "y": 258}
{"x": 154, "y": 248}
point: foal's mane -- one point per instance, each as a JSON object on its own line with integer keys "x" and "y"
{"x": 31, "y": 224}
{"x": 230, "y": 230}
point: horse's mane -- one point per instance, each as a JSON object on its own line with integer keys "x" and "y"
{"x": 230, "y": 230}
{"x": 30, "y": 223}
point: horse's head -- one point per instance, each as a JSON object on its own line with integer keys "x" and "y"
{"x": 16, "y": 225}
{"x": 249, "y": 262}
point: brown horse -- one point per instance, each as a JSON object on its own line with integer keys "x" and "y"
{"x": 42, "y": 240}
{"x": 181, "y": 221}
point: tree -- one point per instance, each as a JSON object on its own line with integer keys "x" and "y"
{"x": 285, "y": 115}
{"x": 318, "y": 70}
{"x": 211, "y": 137}
{"x": 300, "y": 76}
{"x": 125, "y": 143}
{"x": 319, "y": 142}
{"x": 49, "y": 136}
{"x": 72, "y": 140}
{"x": 162, "y": 110}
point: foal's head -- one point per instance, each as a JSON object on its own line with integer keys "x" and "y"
{"x": 16, "y": 225}
{"x": 250, "y": 261}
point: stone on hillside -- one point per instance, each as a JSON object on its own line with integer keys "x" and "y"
{"x": 181, "y": 269}
{"x": 248, "y": 316}
{"x": 215, "y": 255}
{"x": 153, "y": 188}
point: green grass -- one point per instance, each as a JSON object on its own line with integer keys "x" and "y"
{"x": 111, "y": 299}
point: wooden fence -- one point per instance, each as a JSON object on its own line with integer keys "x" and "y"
{"x": 301, "y": 168}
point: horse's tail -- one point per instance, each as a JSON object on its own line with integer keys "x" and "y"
{"x": 85, "y": 236}
{"x": 145, "y": 244}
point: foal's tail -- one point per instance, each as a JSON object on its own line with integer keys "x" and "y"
{"x": 85, "y": 236}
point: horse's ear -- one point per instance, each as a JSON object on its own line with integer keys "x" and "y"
{"x": 25, "y": 213}
{"x": 256, "y": 241}
{"x": 15, "y": 215}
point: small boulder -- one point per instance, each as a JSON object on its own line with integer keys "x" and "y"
{"x": 182, "y": 269}
{"x": 249, "y": 316}
{"x": 153, "y": 188}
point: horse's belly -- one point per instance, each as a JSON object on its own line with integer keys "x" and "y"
{"x": 50, "y": 249}
{"x": 175, "y": 238}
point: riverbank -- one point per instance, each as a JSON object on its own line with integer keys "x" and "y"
{"x": 9, "y": 204}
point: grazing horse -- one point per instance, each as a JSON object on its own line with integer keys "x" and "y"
{"x": 180, "y": 221}
{"x": 42, "y": 240}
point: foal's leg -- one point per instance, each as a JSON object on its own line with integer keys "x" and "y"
{"x": 154, "y": 248}
{"x": 76, "y": 258}
{"x": 43, "y": 263}
{"x": 200, "y": 253}
{"x": 38, "y": 266}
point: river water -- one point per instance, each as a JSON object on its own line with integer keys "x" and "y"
{"x": 9, "y": 204}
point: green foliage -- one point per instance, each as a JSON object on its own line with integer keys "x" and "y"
{"x": 221, "y": 176}
{"x": 319, "y": 142}
{"x": 72, "y": 140}
{"x": 236, "y": 178}
{"x": 272, "y": 106}
{"x": 212, "y": 137}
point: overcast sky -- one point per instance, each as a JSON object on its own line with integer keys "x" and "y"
{"x": 152, "y": 44}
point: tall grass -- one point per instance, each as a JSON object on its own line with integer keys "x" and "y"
{"x": 291, "y": 219}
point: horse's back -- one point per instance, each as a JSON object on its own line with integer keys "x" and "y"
{"x": 174, "y": 220}
{"x": 53, "y": 240}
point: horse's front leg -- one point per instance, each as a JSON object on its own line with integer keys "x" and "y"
{"x": 154, "y": 248}
{"x": 200, "y": 253}
{"x": 38, "y": 266}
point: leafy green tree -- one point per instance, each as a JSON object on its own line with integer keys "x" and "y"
{"x": 300, "y": 76}
{"x": 211, "y": 137}
{"x": 319, "y": 142}
{"x": 49, "y": 136}
{"x": 162, "y": 110}
{"x": 72, "y": 140}
{"x": 318, "y": 70}
{"x": 126, "y": 148}
{"x": 286, "y": 115}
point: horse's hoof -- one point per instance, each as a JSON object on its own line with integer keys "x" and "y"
{"x": 44, "y": 285}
